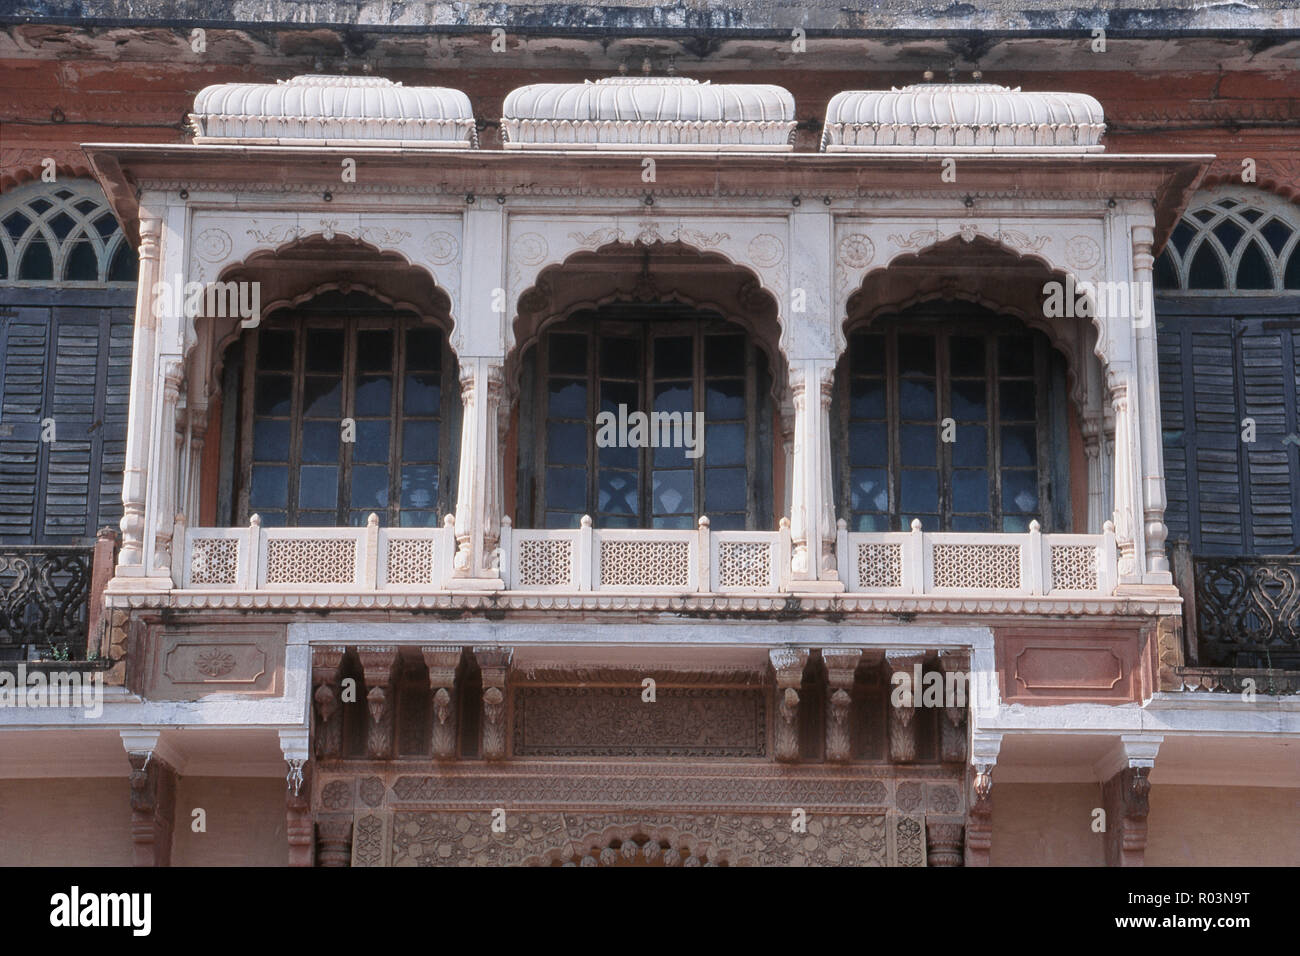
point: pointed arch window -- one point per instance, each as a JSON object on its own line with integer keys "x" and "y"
{"x": 62, "y": 233}
{"x": 1233, "y": 239}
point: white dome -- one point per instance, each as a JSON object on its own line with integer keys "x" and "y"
{"x": 663, "y": 112}
{"x": 333, "y": 110}
{"x": 964, "y": 116}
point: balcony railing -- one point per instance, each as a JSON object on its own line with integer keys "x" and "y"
{"x": 1248, "y": 611}
{"x": 646, "y": 561}
{"x": 44, "y": 600}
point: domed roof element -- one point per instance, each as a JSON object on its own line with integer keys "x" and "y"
{"x": 660, "y": 112}
{"x": 333, "y": 110}
{"x": 974, "y": 117}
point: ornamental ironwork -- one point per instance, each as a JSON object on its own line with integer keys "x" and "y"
{"x": 1248, "y": 611}
{"x": 44, "y": 598}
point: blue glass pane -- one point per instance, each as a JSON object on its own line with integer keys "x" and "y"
{"x": 673, "y": 356}
{"x": 374, "y": 395}
{"x": 972, "y": 523}
{"x": 724, "y": 355}
{"x": 969, "y": 401}
{"x": 372, "y": 441}
{"x": 273, "y": 395}
{"x": 673, "y": 492}
{"x": 615, "y": 456}
{"x": 620, "y": 358}
{"x": 724, "y": 445}
{"x": 422, "y": 395}
{"x": 419, "y": 441}
{"x": 269, "y": 488}
{"x": 566, "y": 444}
{"x": 867, "y": 355}
{"x": 1020, "y": 492}
{"x": 419, "y": 486}
{"x": 725, "y": 398}
{"x": 370, "y": 487}
{"x": 320, "y": 441}
{"x": 272, "y": 519}
{"x": 868, "y": 444}
{"x": 566, "y": 398}
{"x": 869, "y": 490}
{"x": 966, "y": 356}
{"x": 612, "y": 395}
{"x": 275, "y": 351}
{"x": 971, "y": 447}
{"x": 321, "y": 397}
{"x": 318, "y": 486}
{"x": 917, "y": 445}
{"x": 423, "y": 349}
{"x": 566, "y": 489}
{"x": 270, "y": 440}
{"x": 1019, "y": 446}
{"x": 617, "y": 493}
{"x": 870, "y": 523}
{"x": 916, "y": 400}
{"x": 325, "y": 351}
{"x": 619, "y": 521}
{"x": 562, "y": 519}
{"x": 374, "y": 351}
{"x": 915, "y": 355}
{"x": 673, "y": 398}
{"x": 1014, "y": 524}
{"x": 867, "y": 398}
{"x": 725, "y": 489}
{"x": 1017, "y": 401}
{"x": 677, "y": 523}
{"x": 320, "y": 519}
{"x": 37, "y": 262}
{"x": 1015, "y": 355}
{"x": 568, "y": 354}
{"x": 970, "y": 490}
{"x": 419, "y": 519}
{"x": 671, "y": 457}
{"x": 727, "y": 522}
{"x": 919, "y": 491}
{"x": 928, "y": 522}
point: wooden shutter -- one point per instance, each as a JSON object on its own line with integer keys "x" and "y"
{"x": 25, "y": 336}
{"x": 1266, "y": 393}
{"x": 1216, "y": 432}
{"x": 1173, "y": 414}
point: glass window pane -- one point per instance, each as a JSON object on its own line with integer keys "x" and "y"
{"x": 917, "y": 445}
{"x": 916, "y": 400}
{"x": 870, "y": 522}
{"x": 724, "y": 355}
{"x": 1015, "y": 355}
{"x": 566, "y": 489}
{"x": 675, "y": 523}
{"x": 918, "y": 491}
{"x": 620, "y": 358}
{"x": 615, "y": 456}
{"x": 972, "y": 523}
{"x": 969, "y": 401}
{"x": 273, "y": 395}
{"x": 320, "y": 441}
{"x": 424, "y": 349}
{"x": 867, "y": 354}
{"x": 970, "y": 490}
{"x": 966, "y": 356}
{"x": 269, "y": 487}
{"x": 727, "y": 522}
{"x": 672, "y": 356}
{"x": 325, "y": 350}
{"x": 566, "y": 444}
{"x": 321, "y": 397}
{"x": 272, "y": 519}
{"x": 1019, "y": 446}
{"x": 374, "y": 395}
{"x": 1019, "y": 492}
{"x": 419, "y": 486}
{"x": 419, "y": 519}
{"x": 725, "y": 489}
{"x": 869, "y": 490}
{"x": 419, "y": 441}
{"x": 319, "y": 519}
{"x": 422, "y": 395}
{"x": 567, "y": 353}
{"x": 318, "y": 486}
{"x": 673, "y": 492}
{"x": 867, "y": 398}
{"x": 617, "y": 493}
{"x": 668, "y": 456}
{"x": 868, "y": 444}
{"x": 275, "y": 351}
{"x": 673, "y": 398}
{"x": 725, "y": 398}
{"x": 916, "y": 355}
{"x": 971, "y": 447}
{"x": 562, "y": 519}
{"x": 724, "y": 445}
{"x": 372, "y": 441}
{"x": 370, "y": 487}
{"x": 567, "y": 398}
{"x": 1017, "y": 401}
{"x": 270, "y": 440}
{"x": 374, "y": 351}
{"x": 612, "y": 395}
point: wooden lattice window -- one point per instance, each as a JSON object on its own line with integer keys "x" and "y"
{"x": 646, "y": 358}
{"x": 1233, "y": 239}
{"x": 951, "y": 416}
{"x": 344, "y": 415}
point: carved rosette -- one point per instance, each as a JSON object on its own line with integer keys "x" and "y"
{"x": 788, "y": 665}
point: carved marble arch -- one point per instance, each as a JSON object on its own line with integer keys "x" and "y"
{"x": 759, "y": 246}
{"x": 638, "y": 845}
{"x": 989, "y": 274}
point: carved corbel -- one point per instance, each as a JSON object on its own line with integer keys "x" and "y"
{"x": 298, "y": 819}
{"x": 153, "y": 805}
{"x": 952, "y": 727}
{"x": 442, "y": 664}
{"x": 979, "y": 816}
{"x": 377, "y": 666}
{"x": 334, "y": 840}
{"x": 325, "y": 700}
{"x": 788, "y": 664}
{"x": 841, "y": 663}
{"x": 494, "y": 665}
{"x": 1125, "y": 797}
{"x": 902, "y": 706}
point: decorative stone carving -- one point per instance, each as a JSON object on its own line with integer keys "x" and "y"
{"x": 943, "y": 843}
{"x": 377, "y": 666}
{"x": 979, "y": 819}
{"x": 841, "y": 662}
{"x": 328, "y": 731}
{"x": 334, "y": 840}
{"x": 909, "y": 840}
{"x": 334, "y": 110}
{"x": 902, "y": 722}
{"x": 952, "y": 725}
{"x": 153, "y": 805}
{"x": 494, "y": 665}
{"x": 615, "y": 721}
{"x": 788, "y": 664}
{"x": 370, "y": 833}
{"x": 442, "y": 664}
{"x": 299, "y": 826}
{"x": 1125, "y": 797}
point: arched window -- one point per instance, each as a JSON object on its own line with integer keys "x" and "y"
{"x": 345, "y": 412}
{"x": 1233, "y": 239}
{"x": 955, "y": 416}
{"x": 62, "y": 233}
{"x": 585, "y": 450}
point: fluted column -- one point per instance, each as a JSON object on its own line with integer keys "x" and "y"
{"x": 168, "y": 455}
{"x": 478, "y": 501}
{"x": 812, "y": 512}
{"x": 1128, "y": 489}
{"x": 1152, "y": 468}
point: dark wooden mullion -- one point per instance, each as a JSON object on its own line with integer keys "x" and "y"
{"x": 41, "y": 498}
{"x": 751, "y": 434}
{"x": 893, "y": 428}
{"x": 697, "y": 395}
{"x": 943, "y": 409}
{"x": 594, "y": 349}
{"x": 397, "y": 361}
{"x": 347, "y": 396}
{"x": 246, "y": 425}
{"x": 1044, "y": 454}
{"x": 994, "y": 392}
{"x": 448, "y": 372}
{"x": 1238, "y": 328}
{"x": 99, "y": 410}
{"x": 1289, "y": 403}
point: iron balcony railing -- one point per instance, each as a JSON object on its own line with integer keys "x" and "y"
{"x": 44, "y": 600}
{"x": 1248, "y": 611}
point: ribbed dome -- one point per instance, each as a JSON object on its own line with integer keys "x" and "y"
{"x": 666, "y": 112}
{"x": 333, "y": 110}
{"x": 971, "y": 116}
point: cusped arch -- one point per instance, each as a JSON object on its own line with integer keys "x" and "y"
{"x": 638, "y": 844}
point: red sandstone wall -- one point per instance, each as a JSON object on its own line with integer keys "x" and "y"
{"x": 245, "y": 822}
{"x": 56, "y": 821}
